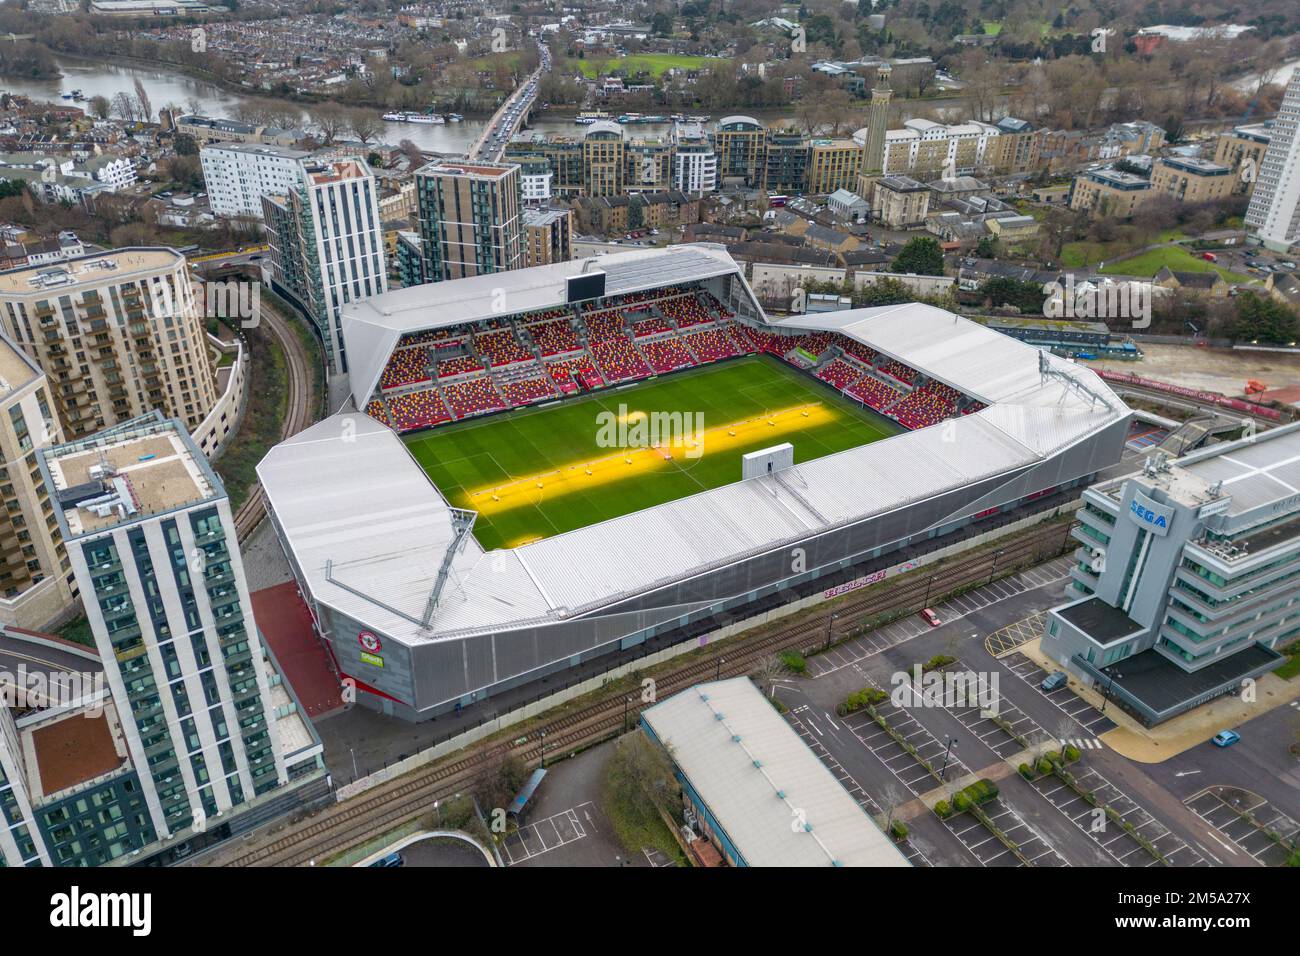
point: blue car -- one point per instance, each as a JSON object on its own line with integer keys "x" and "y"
{"x": 393, "y": 859}
{"x": 1055, "y": 681}
{"x": 1226, "y": 738}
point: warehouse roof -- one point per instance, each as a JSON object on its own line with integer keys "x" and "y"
{"x": 760, "y": 781}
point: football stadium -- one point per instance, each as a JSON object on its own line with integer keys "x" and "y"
{"x": 548, "y": 465}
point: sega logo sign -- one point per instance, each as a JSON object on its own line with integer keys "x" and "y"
{"x": 1149, "y": 514}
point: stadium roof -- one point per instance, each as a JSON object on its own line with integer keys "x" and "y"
{"x": 372, "y": 327}
{"x": 756, "y": 777}
{"x": 348, "y": 493}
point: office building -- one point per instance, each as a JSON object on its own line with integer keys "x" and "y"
{"x": 1185, "y": 580}
{"x": 470, "y": 219}
{"x": 117, "y": 334}
{"x": 1273, "y": 217}
{"x": 326, "y": 245}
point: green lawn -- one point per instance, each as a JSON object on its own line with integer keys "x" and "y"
{"x": 1176, "y": 258}
{"x": 653, "y": 63}
{"x": 484, "y": 454}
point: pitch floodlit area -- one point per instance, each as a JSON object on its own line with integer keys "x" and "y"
{"x": 538, "y": 472}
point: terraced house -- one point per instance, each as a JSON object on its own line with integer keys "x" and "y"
{"x": 1186, "y": 576}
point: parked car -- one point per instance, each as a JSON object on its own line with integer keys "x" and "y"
{"x": 1055, "y": 681}
{"x": 393, "y": 859}
{"x": 930, "y": 618}
{"x": 1226, "y": 738}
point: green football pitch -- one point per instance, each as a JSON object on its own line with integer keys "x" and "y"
{"x": 538, "y": 472}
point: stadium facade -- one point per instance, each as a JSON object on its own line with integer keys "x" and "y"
{"x": 424, "y": 619}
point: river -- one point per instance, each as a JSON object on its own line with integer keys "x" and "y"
{"x": 167, "y": 86}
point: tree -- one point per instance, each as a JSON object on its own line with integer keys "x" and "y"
{"x": 1263, "y": 320}
{"x": 125, "y": 106}
{"x": 639, "y": 779}
{"x": 330, "y": 120}
{"x": 364, "y": 125}
{"x": 100, "y": 107}
{"x": 142, "y": 102}
{"x": 921, "y": 256}
{"x": 768, "y": 672}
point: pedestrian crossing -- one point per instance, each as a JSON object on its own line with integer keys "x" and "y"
{"x": 1083, "y": 743}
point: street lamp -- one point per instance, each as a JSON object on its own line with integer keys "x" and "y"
{"x": 952, "y": 742}
{"x": 718, "y": 673}
{"x": 1112, "y": 674}
{"x": 830, "y": 628}
{"x": 996, "y": 554}
{"x": 543, "y": 748}
{"x": 626, "y": 702}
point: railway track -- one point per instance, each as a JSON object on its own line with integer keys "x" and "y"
{"x": 343, "y": 825}
{"x": 298, "y": 417}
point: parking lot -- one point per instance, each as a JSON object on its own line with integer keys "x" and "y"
{"x": 901, "y": 763}
{"x": 543, "y": 836}
{"x": 1108, "y": 834}
{"x": 1222, "y": 808}
{"x": 904, "y": 629}
{"x": 989, "y": 850}
{"x": 1090, "y": 721}
{"x": 864, "y": 799}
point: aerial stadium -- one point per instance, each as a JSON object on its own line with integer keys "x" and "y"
{"x": 541, "y": 467}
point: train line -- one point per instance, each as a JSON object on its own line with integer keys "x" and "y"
{"x": 298, "y": 416}
{"x": 343, "y": 825}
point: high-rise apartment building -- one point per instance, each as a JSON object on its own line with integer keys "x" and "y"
{"x": 37, "y": 585}
{"x": 470, "y": 219}
{"x": 695, "y": 164}
{"x": 1273, "y": 216}
{"x": 326, "y": 245}
{"x": 117, "y": 334}
{"x": 192, "y": 736}
{"x": 548, "y": 236}
{"x": 238, "y": 175}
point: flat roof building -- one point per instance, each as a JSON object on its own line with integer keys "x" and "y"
{"x": 1184, "y": 579}
{"x": 755, "y": 789}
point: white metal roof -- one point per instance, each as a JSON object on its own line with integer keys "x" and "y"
{"x": 347, "y": 491}
{"x": 372, "y": 327}
{"x": 777, "y": 802}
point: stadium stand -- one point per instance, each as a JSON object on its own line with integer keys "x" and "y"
{"x": 474, "y": 397}
{"x": 406, "y": 367}
{"x": 874, "y": 392}
{"x": 686, "y": 310}
{"x": 555, "y": 337}
{"x": 925, "y": 406}
{"x": 839, "y": 373}
{"x": 709, "y": 345}
{"x": 618, "y": 359}
{"x": 650, "y": 327}
{"x": 666, "y": 354}
{"x": 896, "y": 369}
{"x": 501, "y": 347}
{"x": 603, "y": 326}
{"x": 461, "y": 365}
{"x": 525, "y": 391}
{"x": 418, "y": 410}
{"x": 564, "y": 371}
{"x": 375, "y": 409}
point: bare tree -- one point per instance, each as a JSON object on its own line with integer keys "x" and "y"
{"x": 142, "y": 101}
{"x": 364, "y": 125}
{"x": 891, "y": 799}
{"x": 330, "y": 120}
{"x": 768, "y": 672}
{"x": 124, "y": 106}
